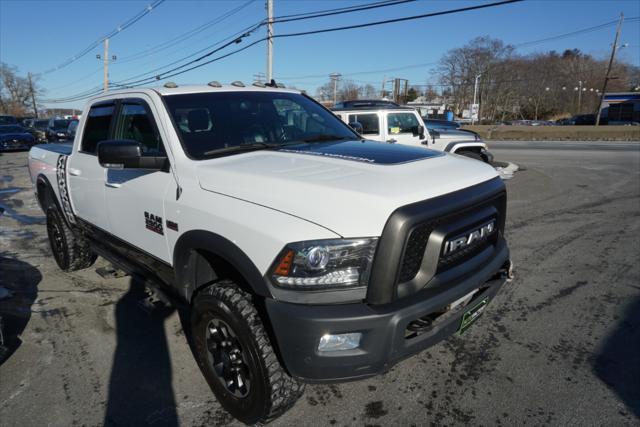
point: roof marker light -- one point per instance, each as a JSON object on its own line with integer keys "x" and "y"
{"x": 214, "y": 83}
{"x": 259, "y": 84}
{"x": 237, "y": 83}
{"x": 170, "y": 85}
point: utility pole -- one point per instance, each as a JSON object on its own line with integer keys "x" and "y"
{"x": 105, "y": 63}
{"x": 384, "y": 81}
{"x": 606, "y": 77}
{"x": 475, "y": 95}
{"x": 33, "y": 96}
{"x": 334, "y": 78}
{"x": 269, "y": 40}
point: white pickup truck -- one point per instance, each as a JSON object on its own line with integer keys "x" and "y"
{"x": 303, "y": 252}
{"x": 403, "y": 125}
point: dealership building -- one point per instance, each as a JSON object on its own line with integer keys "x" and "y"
{"x": 620, "y": 108}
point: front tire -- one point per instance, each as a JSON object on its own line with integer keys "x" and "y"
{"x": 236, "y": 357}
{"x": 70, "y": 252}
{"x": 473, "y": 155}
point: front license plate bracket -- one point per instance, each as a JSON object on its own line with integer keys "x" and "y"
{"x": 472, "y": 314}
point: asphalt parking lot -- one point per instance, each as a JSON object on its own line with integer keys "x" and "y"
{"x": 559, "y": 345}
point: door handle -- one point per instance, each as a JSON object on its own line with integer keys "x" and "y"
{"x": 392, "y": 141}
{"x": 112, "y": 184}
{"x": 74, "y": 172}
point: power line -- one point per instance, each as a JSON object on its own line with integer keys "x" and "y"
{"x": 247, "y": 31}
{"x": 184, "y": 36}
{"x": 395, "y": 20}
{"x": 346, "y": 8}
{"x": 573, "y": 33}
{"x": 174, "y": 72}
{"x": 113, "y": 33}
{"x": 331, "y": 12}
{"x": 357, "y": 73}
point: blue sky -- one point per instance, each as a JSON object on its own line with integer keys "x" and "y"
{"x": 38, "y": 35}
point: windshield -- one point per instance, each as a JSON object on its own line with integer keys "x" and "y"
{"x": 41, "y": 124}
{"x": 211, "y": 124}
{"x": 61, "y": 124}
{"x": 7, "y": 120}
{"x": 11, "y": 129}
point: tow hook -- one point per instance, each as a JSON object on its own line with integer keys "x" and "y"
{"x": 509, "y": 264}
{"x": 505, "y": 272}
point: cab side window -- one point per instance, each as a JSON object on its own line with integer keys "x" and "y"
{"x": 97, "y": 127}
{"x": 370, "y": 123}
{"x": 402, "y": 123}
{"x": 135, "y": 123}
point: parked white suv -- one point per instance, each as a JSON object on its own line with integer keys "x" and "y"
{"x": 403, "y": 125}
{"x": 303, "y": 252}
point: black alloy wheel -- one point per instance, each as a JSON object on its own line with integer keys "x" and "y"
{"x": 227, "y": 358}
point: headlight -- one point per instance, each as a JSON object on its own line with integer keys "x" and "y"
{"x": 324, "y": 264}
{"x": 61, "y": 134}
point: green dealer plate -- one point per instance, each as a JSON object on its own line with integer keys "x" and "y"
{"x": 472, "y": 314}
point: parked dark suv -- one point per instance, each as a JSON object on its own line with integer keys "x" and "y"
{"x": 57, "y": 130}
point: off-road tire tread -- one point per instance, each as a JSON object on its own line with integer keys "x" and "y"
{"x": 284, "y": 389}
{"x": 79, "y": 253}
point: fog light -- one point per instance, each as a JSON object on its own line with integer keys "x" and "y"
{"x": 339, "y": 342}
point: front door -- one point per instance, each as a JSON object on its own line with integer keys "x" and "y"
{"x": 135, "y": 197}
{"x": 402, "y": 128}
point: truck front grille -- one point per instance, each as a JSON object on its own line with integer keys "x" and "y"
{"x": 414, "y": 251}
{"x": 419, "y": 236}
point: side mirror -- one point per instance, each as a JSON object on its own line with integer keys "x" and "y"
{"x": 419, "y": 131}
{"x": 357, "y": 126}
{"x": 127, "y": 154}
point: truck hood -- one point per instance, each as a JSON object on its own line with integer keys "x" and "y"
{"x": 350, "y": 188}
{"x": 456, "y": 134}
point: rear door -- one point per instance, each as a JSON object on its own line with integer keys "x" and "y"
{"x": 370, "y": 125}
{"x": 402, "y": 128}
{"x": 135, "y": 197}
{"x": 85, "y": 175}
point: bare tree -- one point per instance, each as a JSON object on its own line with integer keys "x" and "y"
{"x": 348, "y": 90}
{"x": 15, "y": 92}
{"x": 539, "y": 86}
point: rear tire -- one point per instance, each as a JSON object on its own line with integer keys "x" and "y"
{"x": 236, "y": 357}
{"x": 70, "y": 252}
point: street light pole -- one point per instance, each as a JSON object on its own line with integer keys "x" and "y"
{"x": 475, "y": 94}
{"x": 606, "y": 77}
{"x": 579, "y": 96}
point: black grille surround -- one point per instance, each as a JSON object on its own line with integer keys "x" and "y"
{"x": 410, "y": 250}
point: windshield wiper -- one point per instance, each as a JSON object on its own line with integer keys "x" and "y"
{"x": 322, "y": 138}
{"x": 240, "y": 148}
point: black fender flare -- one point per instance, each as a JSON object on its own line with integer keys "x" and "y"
{"x": 450, "y": 146}
{"x": 219, "y": 246}
{"x": 50, "y": 195}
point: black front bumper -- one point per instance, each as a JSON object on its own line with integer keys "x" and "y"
{"x": 298, "y": 328}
